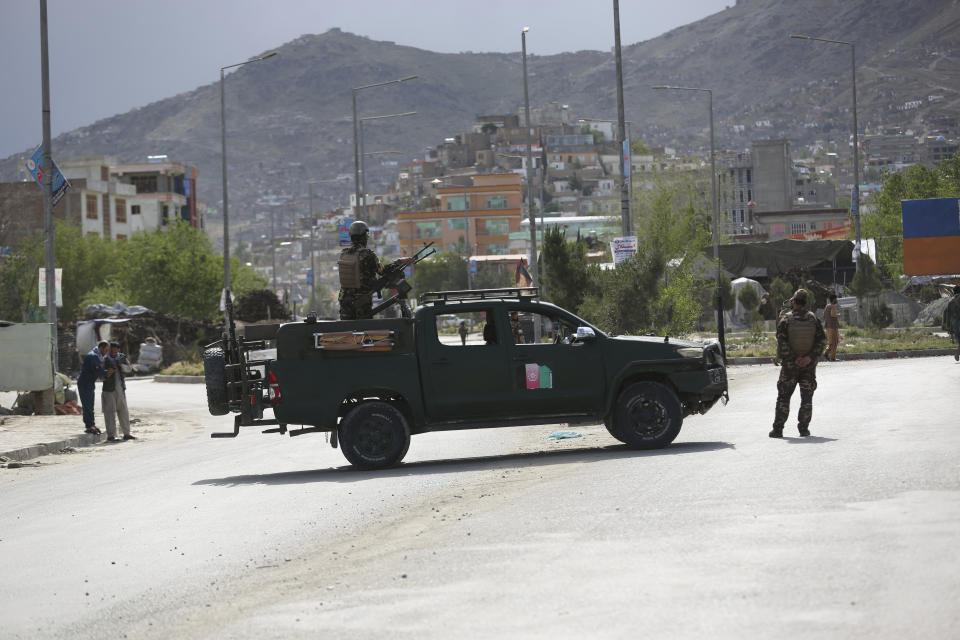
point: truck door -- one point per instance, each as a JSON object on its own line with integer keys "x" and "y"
{"x": 551, "y": 372}
{"x": 464, "y": 365}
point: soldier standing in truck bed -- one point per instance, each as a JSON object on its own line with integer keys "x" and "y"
{"x": 359, "y": 268}
{"x": 800, "y": 342}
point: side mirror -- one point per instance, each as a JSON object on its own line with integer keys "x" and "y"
{"x": 585, "y": 334}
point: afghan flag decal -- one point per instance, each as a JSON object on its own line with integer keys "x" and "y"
{"x": 538, "y": 376}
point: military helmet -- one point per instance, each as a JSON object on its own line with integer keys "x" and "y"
{"x": 800, "y": 297}
{"x": 358, "y": 228}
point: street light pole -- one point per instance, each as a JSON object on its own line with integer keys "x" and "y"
{"x": 855, "y": 191}
{"x": 533, "y": 224}
{"x": 356, "y": 133}
{"x": 716, "y": 213}
{"x": 228, "y": 303}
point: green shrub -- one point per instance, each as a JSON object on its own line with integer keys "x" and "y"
{"x": 880, "y": 316}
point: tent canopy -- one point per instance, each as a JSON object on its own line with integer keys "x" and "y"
{"x": 778, "y": 256}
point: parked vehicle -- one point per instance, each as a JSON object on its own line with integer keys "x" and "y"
{"x": 371, "y": 384}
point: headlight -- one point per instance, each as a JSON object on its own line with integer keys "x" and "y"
{"x": 690, "y": 352}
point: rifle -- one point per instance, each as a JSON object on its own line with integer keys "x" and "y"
{"x": 394, "y": 278}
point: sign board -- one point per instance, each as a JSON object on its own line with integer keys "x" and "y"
{"x": 473, "y": 267}
{"x": 623, "y": 248}
{"x": 26, "y": 357}
{"x": 931, "y": 236}
{"x": 43, "y": 287}
{"x": 343, "y": 231}
{"x": 35, "y": 167}
{"x": 309, "y": 276}
{"x": 626, "y": 159}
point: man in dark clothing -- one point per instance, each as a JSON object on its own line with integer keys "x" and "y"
{"x": 951, "y": 319}
{"x": 359, "y": 268}
{"x": 800, "y": 343}
{"x": 91, "y": 368}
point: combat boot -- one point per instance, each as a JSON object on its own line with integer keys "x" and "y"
{"x": 776, "y": 432}
{"x": 804, "y": 431}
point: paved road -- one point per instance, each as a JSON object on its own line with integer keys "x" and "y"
{"x": 850, "y": 533}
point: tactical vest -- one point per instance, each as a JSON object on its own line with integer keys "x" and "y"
{"x": 349, "y": 268}
{"x": 801, "y": 332}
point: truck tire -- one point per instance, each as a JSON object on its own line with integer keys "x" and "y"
{"x": 215, "y": 377}
{"x": 648, "y": 415}
{"x": 374, "y": 435}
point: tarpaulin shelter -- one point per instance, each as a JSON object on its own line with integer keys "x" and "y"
{"x": 770, "y": 259}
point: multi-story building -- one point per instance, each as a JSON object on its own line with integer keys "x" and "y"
{"x": 935, "y": 149}
{"x": 735, "y": 190}
{"x": 165, "y": 191}
{"x": 890, "y": 148}
{"x": 806, "y": 224}
{"x": 480, "y": 212}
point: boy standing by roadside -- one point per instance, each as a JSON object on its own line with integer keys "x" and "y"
{"x": 831, "y": 324}
{"x": 113, "y": 396}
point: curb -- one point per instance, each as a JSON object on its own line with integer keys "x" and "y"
{"x": 870, "y": 355}
{"x": 46, "y": 448}
{"x": 179, "y": 379}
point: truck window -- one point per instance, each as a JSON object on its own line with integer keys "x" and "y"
{"x": 552, "y": 329}
{"x": 464, "y": 329}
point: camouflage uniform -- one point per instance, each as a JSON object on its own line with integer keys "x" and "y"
{"x": 359, "y": 269}
{"x": 799, "y": 333}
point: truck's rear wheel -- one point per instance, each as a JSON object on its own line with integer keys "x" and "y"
{"x": 374, "y": 435}
{"x": 648, "y": 415}
{"x": 215, "y": 377}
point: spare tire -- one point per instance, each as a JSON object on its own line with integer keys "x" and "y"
{"x": 215, "y": 377}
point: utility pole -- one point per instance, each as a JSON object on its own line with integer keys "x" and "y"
{"x": 48, "y": 187}
{"x": 627, "y": 226}
{"x": 533, "y": 223}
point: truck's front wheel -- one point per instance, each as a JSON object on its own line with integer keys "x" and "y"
{"x": 648, "y": 415}
{"x": 374, "y": 435}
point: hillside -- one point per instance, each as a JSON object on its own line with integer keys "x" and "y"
{"x": 289, "y": 118}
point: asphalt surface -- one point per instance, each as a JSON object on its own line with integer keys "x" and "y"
{"x": 728, "y": 533}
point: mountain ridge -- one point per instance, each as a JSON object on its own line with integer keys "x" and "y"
{"x": 289, "y": 117}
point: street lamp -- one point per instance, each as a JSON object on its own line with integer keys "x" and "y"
{"x": 228, "y": 303}
{"x": 356, "y": 132}
{"x": 363, "y": 171}
{"x": 855, "y": 191}
{"x": 533, "y": 225}
{"x": 716, "y": 213}
{"x": 466, "y": 226}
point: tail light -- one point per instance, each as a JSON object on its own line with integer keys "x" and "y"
{"x": 274, "y": 387}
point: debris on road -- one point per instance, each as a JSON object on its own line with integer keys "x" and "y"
{"x": 562, "y": 435}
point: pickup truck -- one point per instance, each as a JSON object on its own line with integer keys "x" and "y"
{"x": 371, "y": 384}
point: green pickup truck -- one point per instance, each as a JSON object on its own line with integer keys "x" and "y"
{"x": 371, "y": 384}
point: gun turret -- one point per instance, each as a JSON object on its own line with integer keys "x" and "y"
{"x": 393, "y": 278}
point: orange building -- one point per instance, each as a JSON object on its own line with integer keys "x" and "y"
{"x": 482, "y": 214}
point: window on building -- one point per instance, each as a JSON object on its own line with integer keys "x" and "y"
{"x": 121, "y": 237}
{"x": 457, "y": 203}
{"x": 121, "y": 210}
{"x": 497, "y": 227}
{"x": 748, "y": 176}
{"x": 144, "y": 184}
{"x": 749, "y": 195}
{"x": 92, "y": 206}
{"x": 798, "y": 227}
{"x": 496, "y": 202}
{"x": 135, "y": 210}
{"x": 497, "y": 249}
{"x": 741, "y": 195}
{"x": 429, "y": 229}
{"x": 105, "y": 174}
{"x": 164, "y": 214}
{"x": 456, "y": 224}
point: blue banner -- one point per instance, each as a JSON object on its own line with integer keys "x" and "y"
{"x": 35, "y": 167}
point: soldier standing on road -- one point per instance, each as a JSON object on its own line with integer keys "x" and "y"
{"x": 951, "y": 319}
{"x": 800, "y": 342}
{"x": 359, "y": 268}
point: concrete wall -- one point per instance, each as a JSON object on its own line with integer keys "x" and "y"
{"x": 772, "y": 175}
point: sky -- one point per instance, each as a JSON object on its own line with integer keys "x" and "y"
{"x": 110, "y": 56}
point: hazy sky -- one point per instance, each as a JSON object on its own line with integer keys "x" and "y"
{"x": 109, "y": 56}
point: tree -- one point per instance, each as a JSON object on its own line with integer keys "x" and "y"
{"x": 442, "y": 272}
{"x": 884, "y": 223}
{"x": 749, "y": 298}
{"x": 780, "y": 291}
{"x": 866, "y": 283}
{"x": 637, "y": 148}
{"x": 564, "y": 268}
